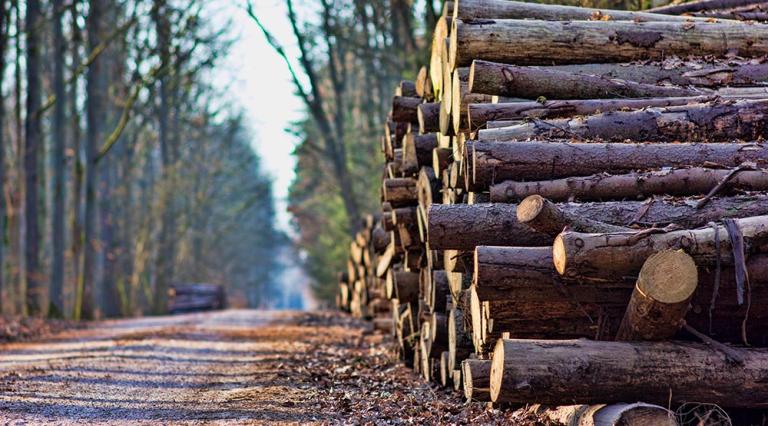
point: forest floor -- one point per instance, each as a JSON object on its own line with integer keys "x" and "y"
{"x": 230, "y": 367}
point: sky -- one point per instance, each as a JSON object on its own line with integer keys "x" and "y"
{"x": 257, "y": 80}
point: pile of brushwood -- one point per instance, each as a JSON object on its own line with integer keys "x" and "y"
{"x": 575, "y": 211}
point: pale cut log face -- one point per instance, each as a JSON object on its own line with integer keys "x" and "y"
{"x": 668, "y": 277}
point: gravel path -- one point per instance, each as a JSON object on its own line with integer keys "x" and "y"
{"x": 231, "y": 367}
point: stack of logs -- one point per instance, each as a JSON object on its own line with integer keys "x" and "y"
{"x": 575, "y": 210}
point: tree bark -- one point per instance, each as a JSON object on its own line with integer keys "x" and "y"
{"x": 634, "y": 185}
{"x": 656, "y": 372}
{"x": 534, "y": 82}
{"x": 459, "y": 343}
{"x": 661, "y": 298}
{"x": 463, "y": 227}
{"x": 717, "y": 121}
{"x": 405, "y": 110}
{"x": 400, "y": 192}
{"x": 698, "y": 6}
{"x": 468, "y": 10}
{"x": 439, "y": 292}
{"x": 406, "y": 287}
{"x": 480, "y": 115}
{"x": 546, "y": 217}
{"x": 32, "y": 148}
{"x": 5, "y": 25}
{"x": 428, "y": 115}
{"x": 622, "y": 254}
{"x": 490, "y": 162}
{"x": 56, "y": 308}
{"x": 541, "y": 42}
{"x": 477, "y": 379}
{"x": 417, "y": 151}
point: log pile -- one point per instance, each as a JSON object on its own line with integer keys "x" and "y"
{"x": 575, "y": 211}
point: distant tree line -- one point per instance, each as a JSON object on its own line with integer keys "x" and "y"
{"x": 120, "y": 173}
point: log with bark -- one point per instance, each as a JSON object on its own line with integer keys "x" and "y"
{"x": 550, "y": 372}
{"x": 546, "y": 217}
{"x": 678, "y": 182}
{"x": 542, "y": 42}
{"x": 487, "y": 163}
{"x": 504, "y": 9}
{"x": 535, "y": 82}
{"x": 480, "y": 115}
{"x": 405, "y": 109}
{"x": 699, "y": 6}
{"x": 400, "y": 192}
{"x": 716, "y": 121}
{"x": 638, "y": 413}
{"x": 661, "y": 299}
{"x": 407, "y": 89}
{"x": 459, "y": 341}
{"x": 476, "y": 374}
{"x": 622, "y": 254}
{"x": 428, "y": 116}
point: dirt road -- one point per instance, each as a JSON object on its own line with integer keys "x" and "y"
{"x": 231, "y": 367}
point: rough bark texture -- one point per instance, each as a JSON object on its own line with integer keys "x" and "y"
{"x": 679, "y": 182}
{"x": 542, "y": 42}
{"x": 459, "y": 342}
{"x": 661, "y": 297}
{"x": 550, "y": 372}
{"x": 636, "y": 414}
{"x": 480, "y": 115}
{"x": 700, "y": 5}
{"x": 716, "y": 121}
{"x": 462, "y": 227}
{"x": 622, "y": 254}
{"x": 504, "y": 9}
{"x": 546, "y": 217}
{"x": 491, "y": 162}
{"x": 428, "y": 115}
{"x": 404, "y": 109}
{"x": 400, "y": 191}
{"x": 477, "y": 379}
{"x": 533, "y": 82}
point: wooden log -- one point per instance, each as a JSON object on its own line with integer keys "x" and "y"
{"x": 440, "y": 33}
{"x": 656, "y": 372}
{"x": 717, "y": 121}
{"x": 638, "y": 413}
{"x": 458, "y": 380}
{"x": 541, "y": 42}
{"x": 424, "y": 84}
{"x": 504, "y": 9}
{"x": 459, "y": 341}
{"x": 445, "y": 373}
{"x": 678, "y": 182}
{"x": 458, "y": 261}
{"x": 428, "y": 193}
{"x": 438, "y": 334}
{"x": 661, "y": 297}
{"x": 439, "y": 292}
{"x": 441, "y": 159}
{"x": 406, "y": 287}
{"x": 462, "y": 227}
{"x": 404, "y": 109}
{"x": 428, "y": 116}
{"x": 527, "y": 274}
{"x": 407, "y": 89}
{"x": 534, "y": 82}
{"x": 622, "y": 254}
{"x": 477, "y": 379}
{"x": 400, "y": 192}
{"x": 545, "y": 216}
{"x": 699, "y": 6}
{"x": 462, "y": 97}
{"x": 490, "y": 162}
{"x": 480, "y": 115}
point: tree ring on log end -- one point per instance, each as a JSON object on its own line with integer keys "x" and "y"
{"x": 668, "y": 277}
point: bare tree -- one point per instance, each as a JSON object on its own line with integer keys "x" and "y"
{"x": 59, "y": 143}
{"x": 5, "y": 19}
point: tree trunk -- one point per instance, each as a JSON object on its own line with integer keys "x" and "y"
{"x": 634, "y": 185}
{"x": 405, "y": 110}
{"x": 711, "y": 122}
{"x": 480, "y": 115}
{"x": 56, "y": 308}
{"x": 542, "y": 42}
{"x": 463, "y": 227}
{"x": 699, "y": 5}
{"x": 661, "y": 298}
{"x": 5, "y": 25}
{"x": 622, "y": 254}
{"x": 400, "y": 192}
{"x": 477, "y": 379}
{"x": 32, "y": 149}
{"x": 490, "y": 162}
{"x": 468, "y": 10}
{"x": 533, "y": 82}
{"x": 546, "y": 217}
{"x": 428, "y": 115}
{"x": 656, "y": 372}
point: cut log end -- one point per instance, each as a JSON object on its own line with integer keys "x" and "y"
{"x": 668, "y": 277}
{"x": 497, "y": 370}
{"x": 559, "y": 255}
{"x": 530, "y": 208}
